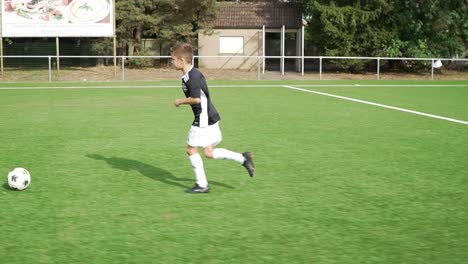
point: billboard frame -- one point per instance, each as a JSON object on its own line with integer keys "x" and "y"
{"x": 57, "y": 37}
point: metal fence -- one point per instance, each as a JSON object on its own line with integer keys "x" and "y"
{"x": 106, "y": 68}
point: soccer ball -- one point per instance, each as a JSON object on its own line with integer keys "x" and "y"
{"x": 19, "y": 179}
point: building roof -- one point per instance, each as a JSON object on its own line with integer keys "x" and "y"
{"x": 249, "y": 15}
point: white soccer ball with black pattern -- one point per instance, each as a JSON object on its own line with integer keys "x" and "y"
{"x": 19, "y": 179}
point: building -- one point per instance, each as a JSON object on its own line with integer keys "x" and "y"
{"x": 253, "y": 29}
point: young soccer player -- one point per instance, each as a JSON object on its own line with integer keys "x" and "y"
{"x": 205, "y": 132}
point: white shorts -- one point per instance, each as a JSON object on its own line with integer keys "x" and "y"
{"x": 204, "y": 136}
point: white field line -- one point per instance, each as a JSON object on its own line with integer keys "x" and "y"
{"x": 88, "y": 87}
{"x": 380, "y": 105}
{"x": 224, "y": 86}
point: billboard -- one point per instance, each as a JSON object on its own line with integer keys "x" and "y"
{"x": 57, "y": 18}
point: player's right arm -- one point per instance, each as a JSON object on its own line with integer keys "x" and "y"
{"x": 188, "y": 100}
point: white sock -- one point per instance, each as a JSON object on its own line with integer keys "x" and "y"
{"x": 220, "y": 153}
{"x": 197, "y": 165}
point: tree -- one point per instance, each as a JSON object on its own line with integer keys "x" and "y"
{"x": 349, "y": 28}
{"x": 430, "y": 28}
{"x": 395, "y": 28}
{"x": 191, "y": 16}
{"x": 167, "y": 20}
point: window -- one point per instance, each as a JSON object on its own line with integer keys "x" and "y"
{"x": 231, "y": 45}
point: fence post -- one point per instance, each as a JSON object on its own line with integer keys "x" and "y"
{"x": 115, "y": 50}
{"x": 378, "y": 68}
{"x": 1, "y": 53}
{"x": 432, "y": 70}
{"x": 123, "y": 68}
{"x": 57, "y": 43}
{"x": 50, "y": 69}
{"x": 302, "y": 50}
{"x": 320, "y": 69}
{"x": 258, "y": 68}
{"x": 263, "y": 49}
{"x": 282, "y": 48}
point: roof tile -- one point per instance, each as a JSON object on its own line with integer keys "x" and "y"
{"x": 247, "y": 15}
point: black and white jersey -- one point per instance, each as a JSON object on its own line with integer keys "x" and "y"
{"x": 194, "y": 85}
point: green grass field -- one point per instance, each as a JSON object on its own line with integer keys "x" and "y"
{"x": 337, "y": 181}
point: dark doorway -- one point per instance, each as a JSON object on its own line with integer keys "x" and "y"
{"x": 273, "y": 48}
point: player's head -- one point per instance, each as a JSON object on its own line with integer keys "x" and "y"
{"x": 181, "y": 55}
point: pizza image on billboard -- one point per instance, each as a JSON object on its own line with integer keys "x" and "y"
{"x": 61, "y": 11}
{"x": 57, "y": 18}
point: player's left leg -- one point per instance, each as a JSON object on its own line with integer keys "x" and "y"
{"x": 220, "y": 153}
{"x": 245, "y": 159}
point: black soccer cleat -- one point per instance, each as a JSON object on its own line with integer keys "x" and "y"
{"x": 248, "y": 163}
{"x": 197, "y": 189}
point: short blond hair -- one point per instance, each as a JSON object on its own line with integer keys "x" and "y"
{"x": 184, "y": 51}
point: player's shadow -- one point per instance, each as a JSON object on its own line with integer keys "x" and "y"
{"x": 149, "y": 171}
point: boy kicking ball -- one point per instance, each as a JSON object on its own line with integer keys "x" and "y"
{"x": 205, "y": 132}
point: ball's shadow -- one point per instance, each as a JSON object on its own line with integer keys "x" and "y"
{"x": 149, "y": 171}
{"x": 6, "y": 187}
